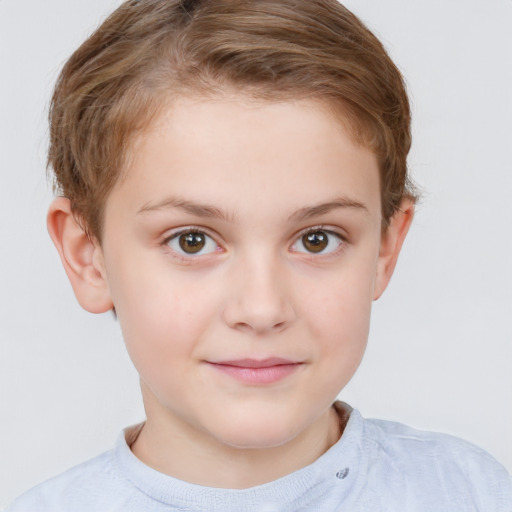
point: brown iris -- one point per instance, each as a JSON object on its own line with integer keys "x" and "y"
{"x": 316, "y": 241}
{"x": 192, "y": 243}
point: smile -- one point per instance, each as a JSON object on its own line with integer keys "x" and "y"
{"x": 257, "y": 372}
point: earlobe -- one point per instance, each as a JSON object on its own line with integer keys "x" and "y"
{"x": 391, "y": 244}
{"x": 81, "y": 256}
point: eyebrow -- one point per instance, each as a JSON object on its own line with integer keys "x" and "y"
{"x": 323, "y": 208}
{"x": 197, "y": 209}
{"x": 209, "y": 211}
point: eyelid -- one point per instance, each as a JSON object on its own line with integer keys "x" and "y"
{"x": 175, "y": 233}
{"x": 326, "y": 229}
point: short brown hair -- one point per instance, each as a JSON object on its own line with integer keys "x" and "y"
{"x": 149, "y": 51}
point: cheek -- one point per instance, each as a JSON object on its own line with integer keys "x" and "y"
{"x": 343, "y": 295}
{"x": 344, "y": 334}
{"x": 162, "y": 318}
{"x": 344, "y": 325}
{"x": 339, "y": 313}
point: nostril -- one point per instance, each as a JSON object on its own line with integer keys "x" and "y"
{"x": 249, "y": 327}
{"x": 242, "y": 326}
{"x": 258, "y": 310}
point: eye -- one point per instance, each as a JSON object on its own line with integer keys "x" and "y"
{"x": 318, "y": 241}
{"x": 192, "y": 243}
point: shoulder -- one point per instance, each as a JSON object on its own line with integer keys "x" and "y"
{"x": 76, "y": 489}
{"x": 438, "y": 462}
{"x": 413, "y": 445}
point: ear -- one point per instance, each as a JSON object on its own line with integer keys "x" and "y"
{"x": 391, "y": 243}
{"x": 81, "y": 256}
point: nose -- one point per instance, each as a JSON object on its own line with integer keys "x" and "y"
{"x": 260, "y": 296}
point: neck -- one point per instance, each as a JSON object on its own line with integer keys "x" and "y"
{"x": 191, "y": 455}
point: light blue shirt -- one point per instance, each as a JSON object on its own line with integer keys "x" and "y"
{"x": 375, "y": 466}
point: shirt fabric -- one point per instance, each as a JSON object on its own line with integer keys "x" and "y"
{"x": 375, "y": 466}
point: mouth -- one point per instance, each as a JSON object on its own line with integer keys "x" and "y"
{"x": 257, "y": 371}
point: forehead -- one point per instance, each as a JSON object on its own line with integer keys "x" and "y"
{"x": 243, "y": 153}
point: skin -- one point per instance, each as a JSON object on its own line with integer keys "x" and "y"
{"x": 254, "y": 178}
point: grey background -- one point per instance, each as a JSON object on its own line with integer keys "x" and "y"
{"x": 440, "y": 351}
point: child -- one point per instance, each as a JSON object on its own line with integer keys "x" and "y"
{"x": 232, "y": 179}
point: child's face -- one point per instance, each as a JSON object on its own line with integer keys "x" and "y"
{"x": 241, "y": 252}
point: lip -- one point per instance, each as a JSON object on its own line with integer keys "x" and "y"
{"x": 257, "y": 371}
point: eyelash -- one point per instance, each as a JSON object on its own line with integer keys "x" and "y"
{"x": 297, "y": 239}
{"x": 193, "y": 230}
{"x": 324, "y": 229}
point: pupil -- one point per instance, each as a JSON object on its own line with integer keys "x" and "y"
{"x": 315, "y": 242}
{"x": 192, "y": 242}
